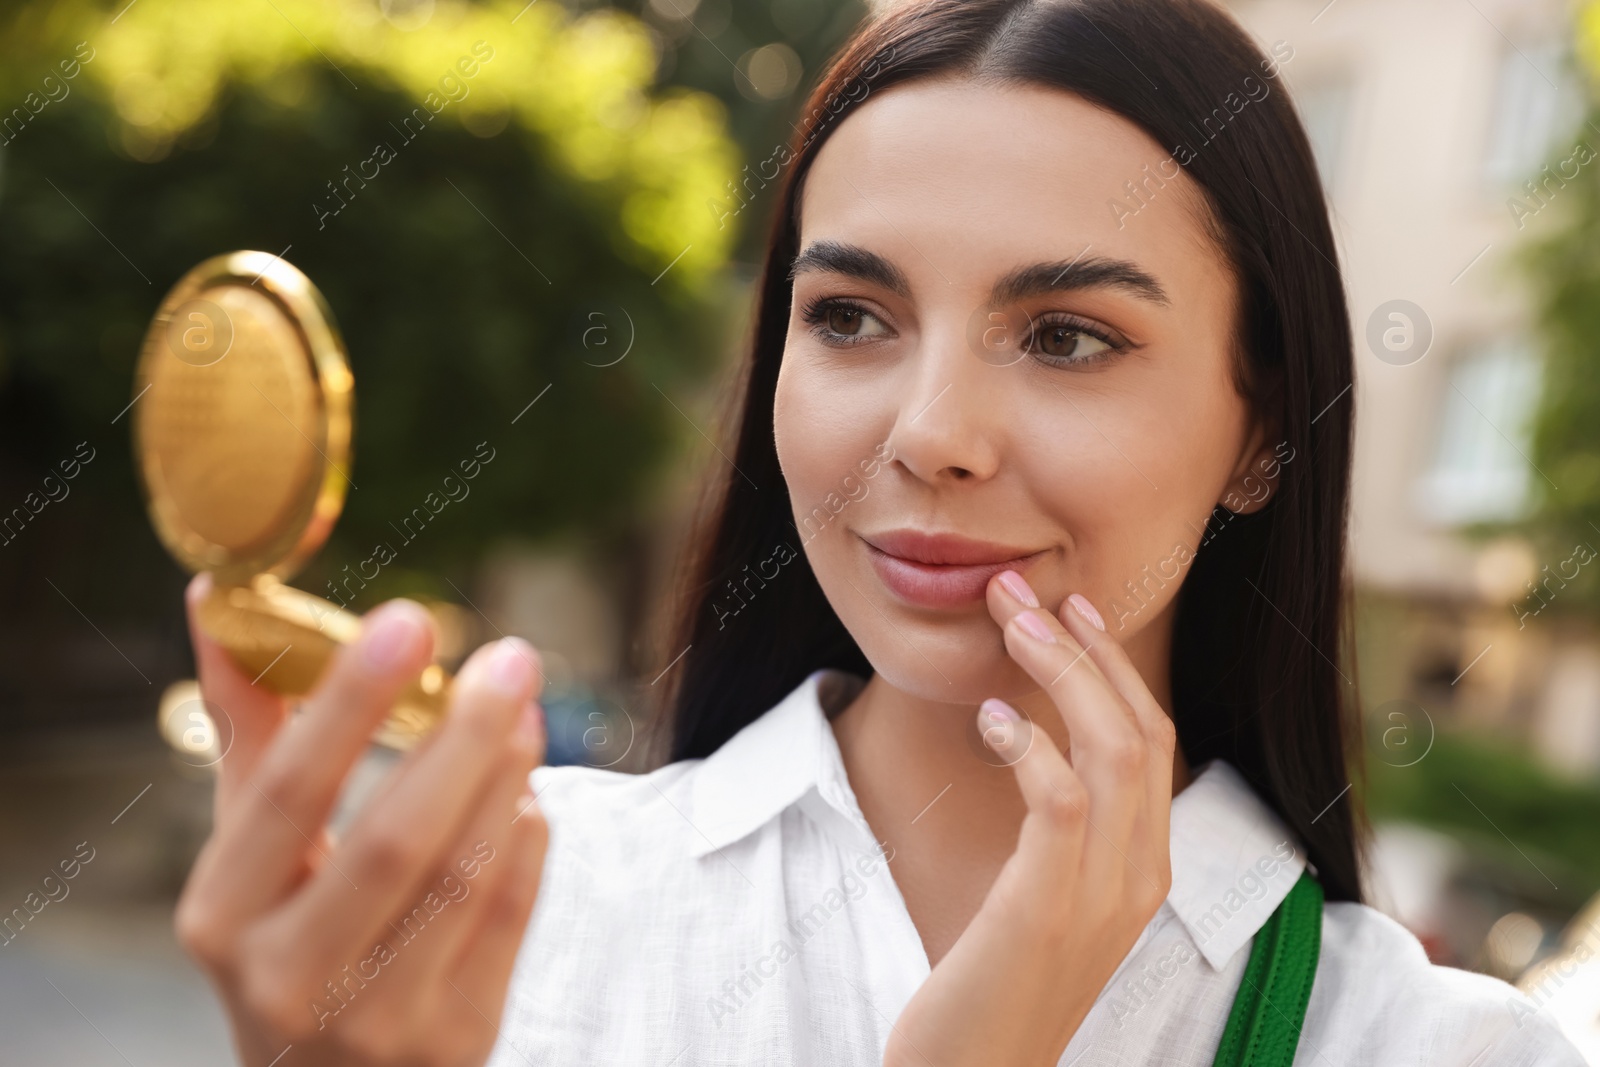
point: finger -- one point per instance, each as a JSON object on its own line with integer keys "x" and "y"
{"x": 490, "y": 830}
{"x": 354, "y": 696}
{"x": 1007, "y": 963}
{"x": 282, "y": 808}
{"x": 245, "y": 715}
{"x": 1051, "y": 841}
{"x": 1085, "y": 623}
{"x": 483, "y": 966}
{"x": 394, "y": 847}
{"x": 1095, "y": 713}
{"x": 1108, "y": 751}
{"x": 1079, "y": 617}
{"x": 1009, "y": 595}
{"x": 1064, "y": 833}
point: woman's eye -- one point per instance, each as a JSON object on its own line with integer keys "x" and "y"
{"x": 838, "y": 322}
{"x": 1065, "y": 342}
{"x": 845, "y": 320}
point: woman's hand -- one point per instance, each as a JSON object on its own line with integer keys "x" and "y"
{"x": 395, "y": 943}
{"x": 1092, "y": 863}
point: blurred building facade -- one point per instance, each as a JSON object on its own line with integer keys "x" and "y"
{"x": 1442, "y": 130}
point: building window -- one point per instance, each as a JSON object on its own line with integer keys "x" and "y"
{"x": 1537, "y": 104}
{"x": 1480, "y": 470}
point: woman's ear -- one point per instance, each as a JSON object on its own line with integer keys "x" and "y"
{"x": 1255, "y": 478}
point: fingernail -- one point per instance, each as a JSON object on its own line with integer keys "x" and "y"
{"x": 1017, "y": 587}
{"x": 509, "y": 670}
{"x": 1035, "y": 628}
{"x": 1000, "y": 726}
{"x": 394, "y": 635}
{"x": 199, "y": 586}
{"x": 994, "y": 708}
{"x": 1086, "y": 609}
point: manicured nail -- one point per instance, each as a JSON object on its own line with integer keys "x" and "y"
{"x": 1001, "y": 728}
{"x": 510, "y": 666}
{"x": 1035, "y": 627}
{"x": 1018, "y": 588}
{"x": 198, "y": 587}
{"x": 395, "y": 634}
{"x": 1086, "y": 609}
{"x": 995, "y": 708}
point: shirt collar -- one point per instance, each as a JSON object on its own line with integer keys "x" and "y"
{"x": 1233, "y": 860}
{"x": 771, "y": 764}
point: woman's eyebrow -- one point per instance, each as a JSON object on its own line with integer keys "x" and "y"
{"x": 1094, "y": 272}
{"x": 838, "y": 258}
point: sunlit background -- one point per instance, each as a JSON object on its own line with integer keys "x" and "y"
{"x": 538, "y": 224}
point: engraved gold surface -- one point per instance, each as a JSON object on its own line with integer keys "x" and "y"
{"x": 242, "y": 428}
{"x": 235, "y": 439}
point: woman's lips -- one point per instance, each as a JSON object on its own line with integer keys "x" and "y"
{"x": 940, "y": 570}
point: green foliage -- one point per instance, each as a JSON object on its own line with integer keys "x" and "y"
{"x": 552, "y": 182}
{"x": 706, "y": 52}
{"x": 1484, "y": 791}
{"x": 1564, "y": 268}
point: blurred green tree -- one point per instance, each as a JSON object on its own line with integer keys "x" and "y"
{"x": 1564, "y": 269}
{"x": 1497, "y": 797}
{"x": 477, "y": 188}
{"x": 761, "y": 58}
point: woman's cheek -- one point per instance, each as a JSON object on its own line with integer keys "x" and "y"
{"x": 795, "y": 447}
{"x": 1190, "y": 435}
{"x": 823, "y": 433}
{"x": 1117, "y": 529}
{"x": 1141, "y": 553}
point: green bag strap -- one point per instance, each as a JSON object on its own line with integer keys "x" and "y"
{"x": 1264, "y": 1025}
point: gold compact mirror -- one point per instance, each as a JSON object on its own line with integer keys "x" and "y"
{"x": 241, "y": 433}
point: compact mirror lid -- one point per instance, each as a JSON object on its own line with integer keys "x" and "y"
{"x": 242, "y": 420}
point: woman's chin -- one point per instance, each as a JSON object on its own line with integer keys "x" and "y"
{"x": 968, "y": 676}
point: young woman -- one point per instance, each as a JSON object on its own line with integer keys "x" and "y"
{"x": 1007, "y": 722}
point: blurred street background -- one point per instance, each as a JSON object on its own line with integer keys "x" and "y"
{"x": 554, "y": 259}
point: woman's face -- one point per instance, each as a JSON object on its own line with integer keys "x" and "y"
{"x": 988, "y": 364}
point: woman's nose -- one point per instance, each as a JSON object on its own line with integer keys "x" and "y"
{"x": 950, "y": 417}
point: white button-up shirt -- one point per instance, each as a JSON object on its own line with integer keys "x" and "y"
{"x": 736, "y": 910}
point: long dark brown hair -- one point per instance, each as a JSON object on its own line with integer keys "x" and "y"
{"x": 1262, "y": 616}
